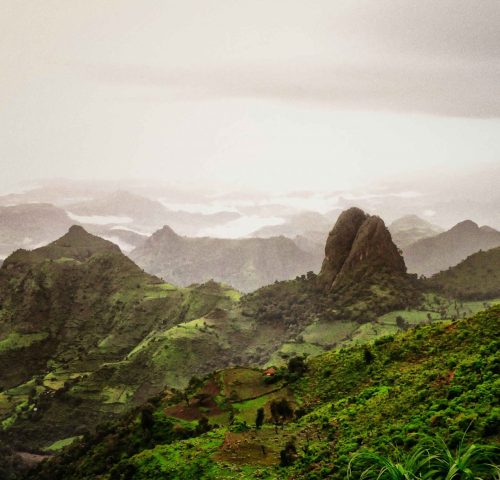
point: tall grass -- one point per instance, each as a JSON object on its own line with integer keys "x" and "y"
{"x": 430, "y": 459}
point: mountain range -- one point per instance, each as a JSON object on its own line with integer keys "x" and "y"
{"x": 87, "y": 334}
{"x": 246, "y": 264}
{"x": 127, "y": 220}
{"x": 143, "y": 213}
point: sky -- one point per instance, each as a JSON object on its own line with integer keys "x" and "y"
{"x": 270, "y": 95}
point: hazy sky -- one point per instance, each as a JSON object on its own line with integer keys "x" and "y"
{"x": 275, "y": 95}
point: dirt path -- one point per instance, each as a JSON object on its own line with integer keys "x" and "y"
{"x": 31, "y": 459}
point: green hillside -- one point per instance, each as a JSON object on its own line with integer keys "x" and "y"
{"x": 477, "y": 277}
{"x": 88, "y": 336}
{"x": 440, "y": 379}
{"x": 75, "y": 320}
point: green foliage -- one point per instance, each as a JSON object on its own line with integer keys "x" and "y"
{"x": 296, "y": 367}
{"x": 17, "y": 340}
{"x": 281, "y": 411}
{"x": 288, "y": 455}
{"x": 440, "y": 379}
{"x": 477, "y": 277}
{"x": 259, "y": 419}
{"x": 368, "y": 355}
{"x": 430, "y": 459}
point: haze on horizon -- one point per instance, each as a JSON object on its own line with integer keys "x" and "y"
{"x": 269, "y": 96}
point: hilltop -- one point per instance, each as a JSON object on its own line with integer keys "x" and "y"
{"x": 432, "y": 255}
{"x": 246, "y": 264}
{"x": 477, "y": 277}
{"x": 437, "y": 379}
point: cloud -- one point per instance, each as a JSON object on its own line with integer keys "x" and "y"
{"x": 420, "y": 56}
{"x": 439, "y": 89}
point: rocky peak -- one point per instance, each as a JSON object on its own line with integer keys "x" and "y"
{"x": 358, "y": 246}
{"x": 166, "y": 232}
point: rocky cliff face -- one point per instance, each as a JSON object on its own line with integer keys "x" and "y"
{"x": 359, "y": 245}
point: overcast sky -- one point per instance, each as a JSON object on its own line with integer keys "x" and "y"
{"x": 274, "y": 95}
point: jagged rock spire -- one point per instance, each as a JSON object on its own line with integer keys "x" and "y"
{"x": 358, "y": 246}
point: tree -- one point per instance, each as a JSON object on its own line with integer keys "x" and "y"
{"x": 281, "y": 410}
{"x": 147, "y": 419}
{"x": 203, "y": 425}
{"x": 400, "y": 322}
{"x": 368, "y": 355}
{"x": 259, "y": 419}
{"x": 311, "y": 275}
{"x": 297, "y": 365}
{"x": 289, "y": 454}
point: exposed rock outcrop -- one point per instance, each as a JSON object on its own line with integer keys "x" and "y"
{"x": 358, "y": 246}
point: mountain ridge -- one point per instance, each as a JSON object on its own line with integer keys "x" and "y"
{"x": 245, "y": 263}
{"x": 431, "y": 255}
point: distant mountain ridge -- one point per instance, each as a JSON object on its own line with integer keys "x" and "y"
{"x": 298, "y": 224}
{"x": 142, "y": 211}
{"x": 246, "y": 263}
{"x": 432, "y": 255}
{"x": 410, "y": 228}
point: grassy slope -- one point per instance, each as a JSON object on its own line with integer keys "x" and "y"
{"x": 477, "y": 277}
{"x": 440, "y": 378}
